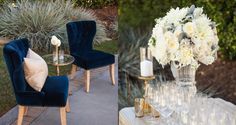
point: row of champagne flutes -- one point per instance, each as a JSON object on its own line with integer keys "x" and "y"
{"x": 178, "y": 106}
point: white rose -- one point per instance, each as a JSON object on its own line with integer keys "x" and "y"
{"x": 189, "y": 28}
{"x": 178, "y": 31}
{"x": 55, "y": 41}
{"x": 172, "y": 42}
{"x": 58, "y": 42}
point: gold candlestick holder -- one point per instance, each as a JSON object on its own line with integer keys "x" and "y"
{"x": 146, "y": 107}
{"x": 146, "y": 80}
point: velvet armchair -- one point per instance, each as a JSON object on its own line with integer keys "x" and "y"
{"x": 80, "y": 37}
{"x": 53, "y": 94}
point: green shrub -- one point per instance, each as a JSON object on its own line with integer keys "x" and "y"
{"x": 1, "y": 1}
{"x": 94, "y": 3}
{"x": 141, "y": 14}
{"x": 39, "y": 20}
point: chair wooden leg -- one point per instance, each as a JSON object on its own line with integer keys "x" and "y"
{"x": 63, "y": 115}
{"x": 26, "y": 110}
{"x": 87, "y": 80}
{"x": 68, "y": 105}
{"x": 112, "y": 73}
{"x": 73, "y": 71}
{"x": 21, "y": 112}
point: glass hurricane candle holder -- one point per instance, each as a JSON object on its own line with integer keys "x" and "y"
{"x": 61, "y": 56}
{"x": 138, "y": 106}
{"x": 146, "y": 62}
{"x": 55, "y": 57}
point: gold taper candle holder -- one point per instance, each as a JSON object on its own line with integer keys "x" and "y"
{"x": 146, "y": 80}
{"x": 146, "y": 107}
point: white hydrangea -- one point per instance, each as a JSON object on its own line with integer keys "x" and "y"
{"x": 172, "y": 42}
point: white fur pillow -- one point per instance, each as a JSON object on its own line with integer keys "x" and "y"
{"x": 36, "y": 70}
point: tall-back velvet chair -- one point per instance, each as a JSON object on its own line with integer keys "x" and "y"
{"x": 53, "y": 94}
{"x": 80, "y": 37}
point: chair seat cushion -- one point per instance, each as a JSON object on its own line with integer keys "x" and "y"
{"x": 93, "y": 59}
{"x": 56, "y": 91}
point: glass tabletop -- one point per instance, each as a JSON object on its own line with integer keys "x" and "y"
{"x": 66, "y": 60}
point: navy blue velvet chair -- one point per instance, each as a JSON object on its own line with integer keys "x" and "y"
{"x": 53, "y": 94}
{"x": 80, "y": 37}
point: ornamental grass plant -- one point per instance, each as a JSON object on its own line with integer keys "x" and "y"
{"x": 39, "y": 20}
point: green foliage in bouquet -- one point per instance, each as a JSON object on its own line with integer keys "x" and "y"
{"x": 39, "y": 20}
{"x": 141, "y": 14}
{"x": 94, "y": 3}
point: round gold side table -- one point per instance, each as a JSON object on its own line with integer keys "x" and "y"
{"x": 68, "y": 59}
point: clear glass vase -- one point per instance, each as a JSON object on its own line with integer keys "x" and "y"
{"x": 184, "y": 76}
{"x": 185, "y": 80}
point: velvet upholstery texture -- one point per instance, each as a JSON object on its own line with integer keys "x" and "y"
{"x": 80, "y": 37}
{"x": 54, "y": 91}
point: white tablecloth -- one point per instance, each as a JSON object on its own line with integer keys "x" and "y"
{"x": 127, "y": 115}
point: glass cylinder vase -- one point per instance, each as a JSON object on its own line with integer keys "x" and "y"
{"x": 55, "y": 55}
{"x": 185, "y": 78}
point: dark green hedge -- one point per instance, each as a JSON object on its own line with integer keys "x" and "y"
{"x": 141, "y": 14}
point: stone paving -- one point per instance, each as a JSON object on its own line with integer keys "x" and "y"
{"x": 99, "y": 107}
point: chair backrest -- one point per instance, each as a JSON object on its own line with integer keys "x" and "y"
{"x": 14, "y": 53}
{"x": 80, "y": 36}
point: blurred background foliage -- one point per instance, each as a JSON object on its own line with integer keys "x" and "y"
{"x": 81, "y": 3}
{"x": 95, "y": 3}
{"x": 136, "y": 20}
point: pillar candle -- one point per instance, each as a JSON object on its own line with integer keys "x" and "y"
{"x": 146, "y": 68}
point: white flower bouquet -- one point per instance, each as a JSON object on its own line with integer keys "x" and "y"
{"x": 184, "y": 37}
